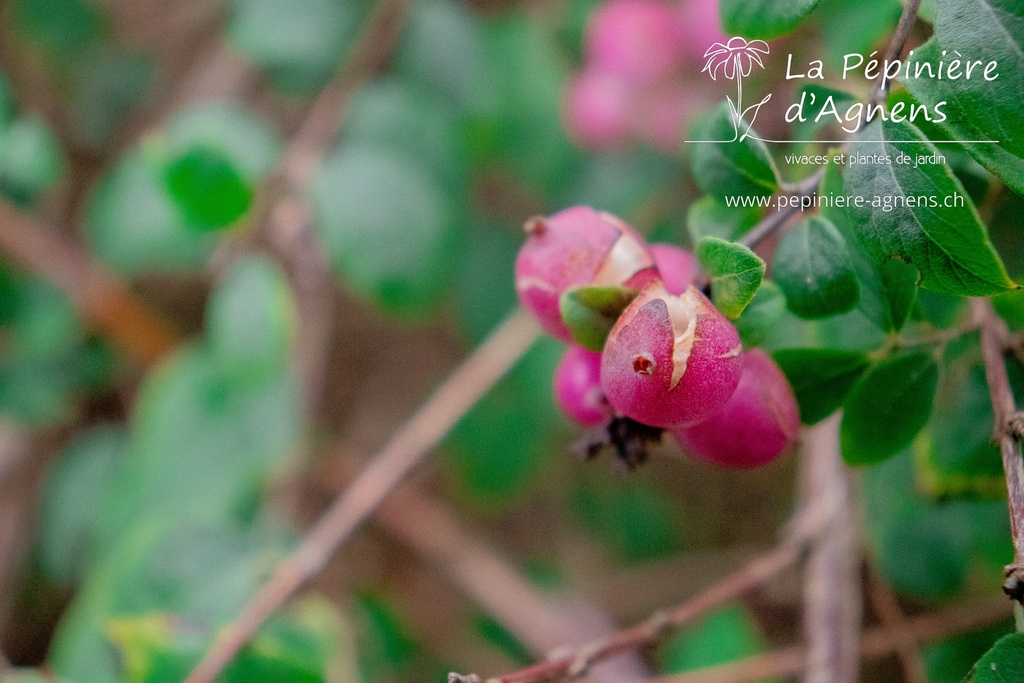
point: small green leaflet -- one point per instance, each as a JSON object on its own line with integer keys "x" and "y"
{"x": 727, "y": 169}
{"x": 736, "y": 273}
{"x": 591, "y": 312}
{"x": 888, "y": 407}
{"x": 1004, "y": 663}
{"x": 812, "y": 267}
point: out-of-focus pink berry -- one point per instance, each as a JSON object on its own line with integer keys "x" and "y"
{"x": 574, "y": 248}
{"x": 670, "y": 360}
{"x": 759, "y": 423}
{"x": 638, "y": 40}
{"x": 676, "y": 266}
{"x": 700, "y": 27}
{"x": 578, "y": 386}
{"x": 596, "y": 109}
{"x": 663, "y": 118}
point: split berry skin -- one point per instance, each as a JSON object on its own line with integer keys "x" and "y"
{"x": 676, "y": 266}
{"x": 637, "y": 40}
{"x": 577, "y": 386}
{"x": 671, "y": 361}
{"x": 577, "y": 247}
{"x": 760, "y": 422}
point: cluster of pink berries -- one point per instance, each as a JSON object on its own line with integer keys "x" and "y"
{"x": 639, "y": 55}
{"x": 671, "y": 361}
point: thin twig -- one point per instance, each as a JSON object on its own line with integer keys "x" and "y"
{"x": 574, "y": 662}
{"x": 899, "y": 40}
{"x": 540, "y": 620}
{"x": 1006, "y": 432}
{"x": 463, "y": 388}
{"x": 874, "y": 642}
{"x": 884, "y": 601}
{"x": 832, "y": 601}
{"x": 102, "y": 298}
{"x": 773, "y": 221}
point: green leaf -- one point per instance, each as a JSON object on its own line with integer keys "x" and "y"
{"x": 888, "y": 407}
{"x": 591, "y": 312}
{"x": 73, "y": 500}
{"x": 949, "y": 245}
{"x": 133, "y": 226}
{"x": 727, "y": 634}
{"x": 949, "y": 659}
{"x": 763, "y": 19}
{"x": 812, "y": 267}
{"x": 441, "y": 49}
{"x": 846, "y": 28}
{"x": 887, "y": 291}
{"x": 709, "y": 216}
{"x": 62, "y": 28}
{"x": 367, "y": 198}
{"x": 243, "y": 139}
{"x": 250, "y": 319}
{"x": 1004, "y": 663}
{"x": 736, "y": 273}
{"x": 298, "y": 42}
{"x": 761, "y": 314}
{"x": 978, "y": 108}
{"x": 821, "y": 378}
{"x": 30, "y": 160}
{"x": 209, "y": 190}
{"x": 729, "y": 169}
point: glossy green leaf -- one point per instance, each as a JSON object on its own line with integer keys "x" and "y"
{"x": 950, "y": 659}
{"x": 591, "y": 312}
{"x": 299, "y": 43}
{"x": 736, "y": 273}
{"x": 711, "y": 217}
{"x": 812, "y": 267}
{"x": 133, "y": 225}
{"x": 209, "y": 190}
{"x": 765, "y": 19}
{"x": 729, "y": 169}
{"x": 1004, "y": 663}
{"x": 821, "y": 378}
{"x": 250, "y": 319}
{"x": 887, "y": 290}
{"x": 30, "y": 159}
{"x": 888, "y": 407}
{"x": 979, "y": 108}
{"x": 949, "y": 245}
{"x": 763, "y": 312}
{"x": 387, "y": 228}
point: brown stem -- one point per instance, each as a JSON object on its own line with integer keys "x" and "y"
{"x": 463, "y": 388}
{"x": 884, "y": 601}
{"x": 103, "y": 299}
{"x": 575, "y": 662}
{"x": 899, "y": 40}
{"x": 1007, "y": 434}
{"x": 540, "y": 620}
{"x": 832, "y": 601}
{"x": 874, "y": 642}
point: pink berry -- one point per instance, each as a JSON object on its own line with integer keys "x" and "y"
{"x": 596, "y": 110}
{"x": 638, "y": 40}
{"x": 700, "y": 27}
{"x": 670, "y": 360}
{"x": 574, "y": 248}
{"x": 578, "y": 386}
{"x": 676, "y": 266}
{"x": 759, "y": 423}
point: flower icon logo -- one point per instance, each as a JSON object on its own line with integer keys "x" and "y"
{"x": 735, "y": 60}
